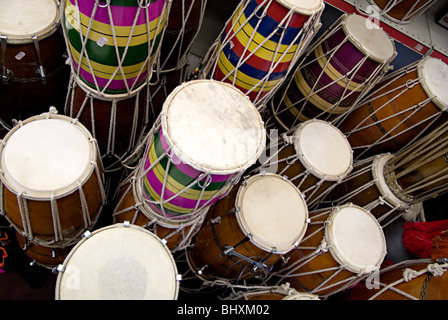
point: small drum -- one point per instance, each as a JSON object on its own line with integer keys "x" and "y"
{"x": 32, "y": 59}
{"x": 366, "y": 186}
{"x": 245, "y": 233}
{"x": 52, "y": 179}
{"x": 399, "y": 108}
{"x": 116, "y": 123}
{"x": 121, "y": 261}
{"x": 340, "y": 247}
{"x": 335, "y": 73}
{"x": 176, "y": 232}
{"x": 419, "y": 279}
{"x": 113, "y": 44}
{"x": 402, "y": 11}
{"x": 315, "y": 158}
{"x": 261, "y": 42}
{"x": 207, "y": 135}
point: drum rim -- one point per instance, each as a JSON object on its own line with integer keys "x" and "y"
{"x": 358, "y": 44}
{"x": 202, "y": 167}
{"x": 260, "y": 243}
{"x": 443, "y": 105}
{"x": 104, "y": 229}
{"x": 41, "y": 34}
{"x": 299, "y": 9}
{"x": 340, "y": 257}
{"x": 68, "y": 189}
{"x": 307, "y": 163}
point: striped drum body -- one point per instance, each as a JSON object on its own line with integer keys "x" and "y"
{"x": 261, "y": 41}
{"x": 113, "y": 44}
{"x": 207, "y": 134}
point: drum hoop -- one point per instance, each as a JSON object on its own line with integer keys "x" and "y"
{"x": 308, "y": 165}
{"x": 42, "y": 34}
{"x": 380, "y": 182}
{"x": 340, "y": 257}
{"x": 69, "y": 189}
{"x": 182, "y": 156}
{"x": 115, "y": 226}
{"x": 304, "y": 11}
{"x": 435, "y": 99}
{"x": 360, "y": 46}
{"x": 246, "y": 230}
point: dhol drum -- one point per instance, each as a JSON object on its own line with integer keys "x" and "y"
{"x": 51, "y": 179}
{"x": 176, "y": 232}
{"x": 281, "y": 292}
{"x": 116, "y": 123}
{"x": 337, "y": 70}
{"x": 315, "y": 157}
{"x": 402, "y": 11}
{"x": 112, "y": 43}
{"x": 245, "y": 233}
{"x": 206, "y": 136}
{"x": 406, "y": 103}
{"x": 32, "y": 59}
{"x": 340, "y": 247}
{"x": 117, "y": 262}
{"x": 420, "y": 279}
{"x": 260, "y": 44}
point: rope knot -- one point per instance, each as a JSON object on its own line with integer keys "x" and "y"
{"x": 409, "y": 274}
{"x": 436, "y": 269}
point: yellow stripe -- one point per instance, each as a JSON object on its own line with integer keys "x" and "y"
{"x": 334, "y": 74}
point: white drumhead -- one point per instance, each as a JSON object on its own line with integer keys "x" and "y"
{"x": 369, "y": 37}
{"x": 273, "y": 211}
{"x": 20, "y": 19}
{"x": 118, "y": 262}
{"x": 323, "y": 149}
{"x": 434, "y": 75}
{"x": 356, "y": 239}
{"x": 212, "y": 126}
{"x": 306, "y": 7}
{"x": 47, "y": 156}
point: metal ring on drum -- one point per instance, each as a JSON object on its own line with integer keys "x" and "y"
{"x": 113, "y": 46}
{"x": 334, "y": 74}
{"x": 51, "y": 179}
{"x": 342, "y": 245}
{"x": 314, "y": 156}
{"x": 118, "y": 262}
{"x": 260, "y": 44}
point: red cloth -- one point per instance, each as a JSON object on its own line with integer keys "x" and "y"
{"x": 418, "y": 236}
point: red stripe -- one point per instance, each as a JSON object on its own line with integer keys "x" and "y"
{"x": 278, "y": 12}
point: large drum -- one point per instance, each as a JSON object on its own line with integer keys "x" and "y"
{"x": 402, "y": 11}
{"x": 113, "y": 44}
{"x": 130, "y": 206}
{"x": 121, "y": 261}
{"x": 116, "y": 123}
{"x": 420, "y": 279}
{"x": 52, "y": 179}
{"x": 399, "y": 108}
{"x": 206, "y": 136}
{"x": 315, "y": 157}
{"x": 245, "y": 233}
{"x": 340, "y": 67}
{"x": 340, "y": 247}
{"x": 32, "y": 59}
{"x": 260, "y": 44}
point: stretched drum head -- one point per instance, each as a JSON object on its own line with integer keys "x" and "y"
{"x": 306, "y": 7}
{"x": 20, "y": 20}
{"x": 323, "y": 149}
{"x": 118, "y": 262}
{"x": 434, "y": 80}
{"x": 272, "y": 211}
{"x": 356, "y": 239}
{"x": 47, "y": 156}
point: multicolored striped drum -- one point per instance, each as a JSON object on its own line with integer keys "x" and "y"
{"x": 113, "y": 43}
{"x": 261, "y": 42}
{"x": 207, "y": 134}
{"x": 335, "y": 73}
{"x": 399, "y": 108}
{"x": 402, "y": 11}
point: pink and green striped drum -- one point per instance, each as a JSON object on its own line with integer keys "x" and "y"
{"x": 206, "y": 136}
{"x": 262, "y": 41}
{"x": 340, "y": 67}
{"x": 113, "y": 43}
